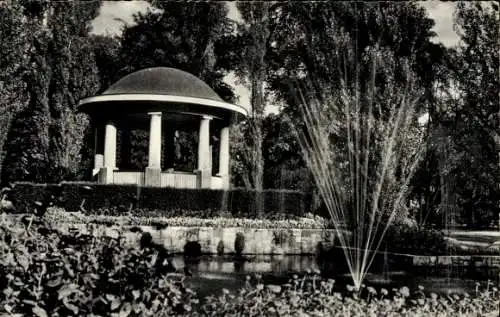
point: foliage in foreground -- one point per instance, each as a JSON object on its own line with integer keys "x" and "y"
{"x": 309, "y": 295}
{"x": 45, "y": 273}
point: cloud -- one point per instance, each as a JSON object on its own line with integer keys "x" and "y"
{"x": 112, "y": 11}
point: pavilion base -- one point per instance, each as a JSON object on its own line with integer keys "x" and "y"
{"x": 224, "y": 183}
{"x": 204, "y": 178}
{"x": 152, "y": 177}
{"x": 105, "y": 175}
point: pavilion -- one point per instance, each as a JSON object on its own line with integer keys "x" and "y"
{"x": 161, "y": 99}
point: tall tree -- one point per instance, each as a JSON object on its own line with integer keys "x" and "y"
{"x": 255, "y": 34}
{"x": 472, "y": 114}
{"x": 302, "y": 53}
{"x": 185, "y": 36}
{"x": 28, "y": 138}
{"x": 14, "y": 48}
{"x": 106, "y": 53}
{"x": 45, "y": 142}
{"x": 73, "y": 76}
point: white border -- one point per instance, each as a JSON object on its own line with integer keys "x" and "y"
{"x": 165, "y": 98}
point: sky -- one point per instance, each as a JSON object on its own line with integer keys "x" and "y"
{"x": 114, "y": 14}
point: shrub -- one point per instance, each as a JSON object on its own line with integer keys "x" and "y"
{"x": 416, "y": 241}
{"x": 192, "y": 249}
{"x": 52, "y": 274}
{"x": 120, "y": 198}
{"x": 25, "y": 194}
{"x": 220, "y": 248}
{"x": 239, "y": 243}
{"x": 100, "y": 196}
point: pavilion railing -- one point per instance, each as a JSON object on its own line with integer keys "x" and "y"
{"x": 132, "y": 178}
{"x": 179, "y": 180}
{"x": 168, "y": 179}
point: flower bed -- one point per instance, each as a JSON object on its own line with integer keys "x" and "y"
{"x": 58, "y": 215}
{"x": 46, "y": 273}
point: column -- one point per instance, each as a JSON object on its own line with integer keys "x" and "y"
{"x": 204, "y": 168}
{"x": 98, "y": 152}
{"x": 224, "y": 157}
{"x": 153, "y": 171}
{"x": 106, "y": 172}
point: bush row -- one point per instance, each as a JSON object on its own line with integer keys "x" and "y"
{"x": 239, "y": 202}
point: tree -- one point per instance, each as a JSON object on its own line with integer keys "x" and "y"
{"x": 73, "y": 77}
{"x": 14, "y": 48}
{"x": 106, "y": 53}
{"x": 285, "y": 167}
{"x": 302, "y": 54}
{"x": 471, "y": 117}
{"x": 188, "y": 37}
{"x": 255, "y": 34}
{"x": 305, "y": 34}
{"x": 28, "y": 138}
{"x": 459, "y": 180}
{"x": 62, "y": 72}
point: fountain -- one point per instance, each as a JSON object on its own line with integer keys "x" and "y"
{"x": 362, "y": 143}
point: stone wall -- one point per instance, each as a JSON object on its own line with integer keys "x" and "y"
{"x": 214, "y": 240}
{"x": 456, "y": 261}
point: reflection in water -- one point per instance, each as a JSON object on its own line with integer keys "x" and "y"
{"x": 211, "y": 274}
{"x": 257, "y": 264}
{"x": 239, "y": 267}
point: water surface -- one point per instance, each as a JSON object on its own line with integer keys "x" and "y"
{"x": 211, "y": 274}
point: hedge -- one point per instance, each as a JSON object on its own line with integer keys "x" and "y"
{"x": 239, "y": 202}
{"x": 24, "y": 194}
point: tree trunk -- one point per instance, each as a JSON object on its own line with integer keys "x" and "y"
{"x": 257, "y": 159}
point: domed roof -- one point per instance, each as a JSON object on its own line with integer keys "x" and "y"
{"x": 163, "y": 81}
{"x": 161, "y": 89}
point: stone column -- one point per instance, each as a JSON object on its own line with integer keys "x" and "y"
{"x": 224, "y": 157}
{"x": 153, "y": 171}
{"x": 106, "y": 172}
{"x": 98, "y": 152}
{"x": 204, "y": 168}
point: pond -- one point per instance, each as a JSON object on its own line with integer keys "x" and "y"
{"x": 211, "y": 274}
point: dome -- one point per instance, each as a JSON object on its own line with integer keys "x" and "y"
{"x": 163, "y": 81}
{"x": 160, "y": 89}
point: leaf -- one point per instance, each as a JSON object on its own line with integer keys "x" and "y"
{"x": 136, "y": 294}
{"x": 125, "y": 310}
{"x": 115, "y": 303}
{"x": 54, "y": 282}
{"x": 138, "y": 307}
{"x": 66, "y": 290}
{"x": 8, "y": 308}
{"x": 110, "y": 297}
{"x": 29, "y": 302}
{"x": 71, "y": 307}
{"x": 39, "y": 311}
{"x": 23, "y": 261}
